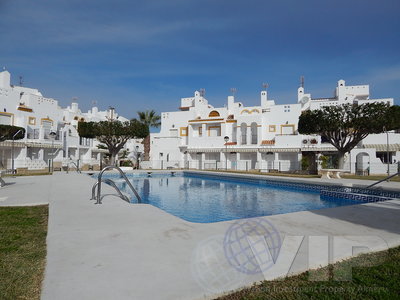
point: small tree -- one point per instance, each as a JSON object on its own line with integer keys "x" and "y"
{"x": 113, "y": 134}
{"x": 8, "y": 131}
{"x": 344, "y": 126}
{"x": 150, "y": 119}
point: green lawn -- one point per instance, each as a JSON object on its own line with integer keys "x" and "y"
{"x": 379, "y": 281}
{"x": 23, "y": 233}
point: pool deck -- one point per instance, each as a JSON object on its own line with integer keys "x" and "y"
{"x": 137, "y": 251}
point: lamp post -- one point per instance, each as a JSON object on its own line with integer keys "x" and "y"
{"x": 226, "y": 139}
{"x": 387, "y": 150}
{"x": 12, "y": 151}
{"x": 52, "y": 136}
{"x": 137, "y": 157}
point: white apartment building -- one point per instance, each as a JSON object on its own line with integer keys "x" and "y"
{"x": 263, "y": 137}
{"x": 40, "y": 116}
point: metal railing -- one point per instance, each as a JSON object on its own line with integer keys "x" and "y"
{"x": 263, "y": 165}
{"x": 99, "y": 181}
{"x": 76, "y": 166}
{"x": 112, "y": 183}
{"x": 382, "y": 180}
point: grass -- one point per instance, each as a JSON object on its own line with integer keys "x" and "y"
{"x": 378, "y": 281}
{"x": 23, "y": 233}
{"x": 28, "y": 174}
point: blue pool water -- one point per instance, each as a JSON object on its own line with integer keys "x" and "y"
{"x": 206, "y": 200}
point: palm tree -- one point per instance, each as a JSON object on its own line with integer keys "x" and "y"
{"x": 150, "y": 119}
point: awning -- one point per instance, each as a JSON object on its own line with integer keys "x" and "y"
{"x": 42, "y": 145}
{"x": 100, "y": 150}
{"x": 383, "y": 147}
{"x": 318, "y": 149}
{"x": 204, "y": 150}
{"x": 9, "y": 144}
{"x": 229, "y": 149}
{"x": 30, "y": 145}
{"x": 241, "y": 150}
{"x": 273, "y": 149}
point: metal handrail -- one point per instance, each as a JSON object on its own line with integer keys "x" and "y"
{"x": 385, "y": 179}
{"x": 122, "y": 174}
{"x": 112, "y": 183}
{"x": 77, "y": 168}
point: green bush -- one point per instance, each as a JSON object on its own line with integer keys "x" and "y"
{"x": 305, "y": 163}
{"x": 324, "y": 161}
{"x": 126, "y": 163}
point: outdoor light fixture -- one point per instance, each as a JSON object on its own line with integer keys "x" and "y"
{"x": 12, "y": 150}
{"x": 387, "y": 150}
{"x": 226, "y": 139}
{"x": 52, "y": 136}
{"x": 137, "y": 157}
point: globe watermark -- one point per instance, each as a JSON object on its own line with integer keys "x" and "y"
{"x": 252, "y": 246}
{"x": 211, "y": 269}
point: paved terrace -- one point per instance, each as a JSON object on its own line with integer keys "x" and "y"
{"x": 136, "y": 251}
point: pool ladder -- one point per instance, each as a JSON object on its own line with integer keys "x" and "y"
{"x": 385, "y": 179}
{"x": 112, "y": 183}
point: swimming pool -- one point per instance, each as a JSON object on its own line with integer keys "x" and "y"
{"x": 205, "y": 198}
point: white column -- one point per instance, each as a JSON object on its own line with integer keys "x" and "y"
{"x": 201, "y": 162}
{"x": 299, "y": 157}
{"x": 204, "y": 132}
{"x": 259, "y": 161}
{"x": 248, "y": 135}
{"x": 41, "y": 154}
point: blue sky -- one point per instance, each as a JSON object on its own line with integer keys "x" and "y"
{"x": 138, "y": 55}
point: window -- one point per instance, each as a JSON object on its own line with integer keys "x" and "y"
{"x": 183, "y": 131}
{"x": 6, "y": 118}
{"x": 272, "y": 128}
{"x": 46, "y": 122}
{"x": 254, "y": 138}
{"x": 200, "y": 131}
{"x": 214, "y": 113}
{"x": 32, "y": 121}
{"x": 287, "y": 129}
{"x": 173, "y": 132}
{"x": 214, "y": 131}
{"x": 243, "y": 129}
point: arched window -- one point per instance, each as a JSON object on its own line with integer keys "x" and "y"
{"x": 254, "y": 137}
{"x": 214, "y": 113}
{"x": 243, "y": 129}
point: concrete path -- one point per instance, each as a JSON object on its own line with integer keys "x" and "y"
{"x": 26, "y": 190}
{"x": 136, "y": 251}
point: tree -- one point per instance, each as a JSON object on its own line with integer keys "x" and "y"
{"x": 8, "y": 131}
{"x": 113, "y": 134}
{"x": 150, "y": 119}
{"x": 344, "y": 126}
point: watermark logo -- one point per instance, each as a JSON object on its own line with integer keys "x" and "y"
{"x": 211, "y": 269}
{"x": 252, "y": 246}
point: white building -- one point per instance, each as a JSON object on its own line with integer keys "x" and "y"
{"x": 38, "y": 115}
{"x": 263, "y": 137}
